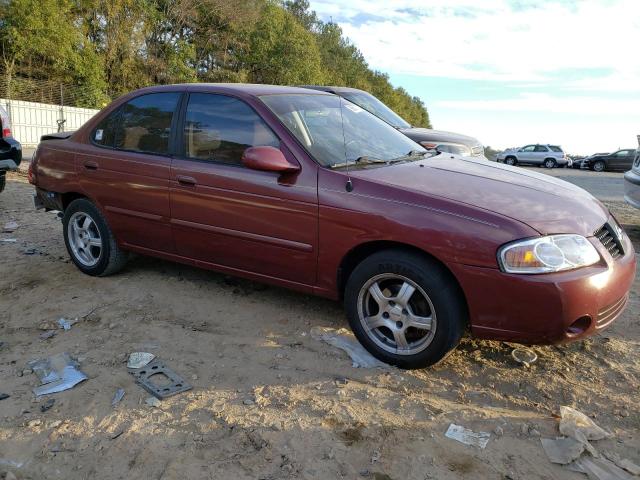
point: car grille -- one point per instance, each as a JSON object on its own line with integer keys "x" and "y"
{"x": 477, "y": 150}
{"x": 609, "y": 313}
{"x": 610, "y": 239}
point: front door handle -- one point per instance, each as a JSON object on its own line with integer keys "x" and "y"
{"x": 89, "y": 165}
{"x": 184, "y": 180}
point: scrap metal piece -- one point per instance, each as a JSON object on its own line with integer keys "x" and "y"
{"x": 466, "y": 436}
{"x": 144, "y": 377}
{"x": 57, "y": 373}
{"x": 117, "y": 397}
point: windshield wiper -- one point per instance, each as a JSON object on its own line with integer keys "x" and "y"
{"x": 360, "y": 161}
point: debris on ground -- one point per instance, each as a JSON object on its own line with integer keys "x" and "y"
{"x": 4, "y": 396}
{"x": 8, "y": 240}
{"x": 172, "y": 385}
{"x": 139, "y": 359}
{"x": 599, "y": 469}
{"x": 153, "y": 402}
{"x": 345, "y": 340}
{"x": 47, "y": 334}
{"x": 117, "y": 397}
{"x": 66, "y": 324}
{"x": 623, "y": 463}
{"x": 524, "y": 356}
{"x": 577, "y": 425}
{"x": 466, "y": 436}
{"x": 57, "y": 373}
{"x": 10, "y": 227}
{"x": 47, "y": 405}
{"x": 562, "y": 450}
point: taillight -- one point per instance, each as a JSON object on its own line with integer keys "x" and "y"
{"x": 6, "y": 132}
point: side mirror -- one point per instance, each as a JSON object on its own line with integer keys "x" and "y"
{"x": 267, "y": 159}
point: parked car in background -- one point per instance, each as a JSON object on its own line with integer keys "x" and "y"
{"x": 549, "y": 156}
{"x": 296, "y": 188}
{"x": 10, "y": 149}
{"x": 444, "y": 142}
{"x": 583, "y": 162}
{"x": 632, "y": 181}
{"x": 622, "y": 160}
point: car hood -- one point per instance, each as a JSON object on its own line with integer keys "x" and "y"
{"x": 544, "y": 203}
{"x": 428, "y": 135}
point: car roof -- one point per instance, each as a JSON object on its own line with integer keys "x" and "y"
{"x": 251, "y": 89}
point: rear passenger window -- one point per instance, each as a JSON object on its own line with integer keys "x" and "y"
{"x": 145, "y": 123}
{"x": 219, "y": 128}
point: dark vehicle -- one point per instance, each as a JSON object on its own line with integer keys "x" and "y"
{"x": 300, "y": 189}
{"x": 582, "y": 162}
{"x": 622, "y": 160}
{"x": 632, "y": 181}
{"x": 10, "y": 149}
{"x": 445, "y": 142}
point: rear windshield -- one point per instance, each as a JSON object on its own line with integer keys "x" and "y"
{"x": 555, "y": 148}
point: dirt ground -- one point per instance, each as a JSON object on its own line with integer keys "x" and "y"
{"x": 268, "y": 400}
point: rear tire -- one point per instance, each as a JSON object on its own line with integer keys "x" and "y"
{"x": 405, "y": 309}
{"x": 3, "y": 181}
{"x": 550, "y": 163}
{"x": 598, "y": 166}
{"x": 89, "y": 240}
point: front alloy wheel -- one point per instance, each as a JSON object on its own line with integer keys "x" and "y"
{"x": 405, "y": 308}
{"x": 397, "y": 314}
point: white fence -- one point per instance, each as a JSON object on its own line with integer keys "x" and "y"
{"x": 31, "y": 120}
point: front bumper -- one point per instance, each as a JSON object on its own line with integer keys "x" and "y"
{"x": 548, "y": 308}
{"x": 632, "y": 188}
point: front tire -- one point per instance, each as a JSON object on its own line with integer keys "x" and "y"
{"x": 510, "y": 161}
{"x": 89, "y": 240}
{"x": 405, "y": 309}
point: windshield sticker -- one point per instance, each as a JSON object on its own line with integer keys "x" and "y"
{"x": 99, "y": 135}
{"x": 353, "y": 108}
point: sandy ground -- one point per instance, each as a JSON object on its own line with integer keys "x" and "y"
{"x": 269, "y": 401}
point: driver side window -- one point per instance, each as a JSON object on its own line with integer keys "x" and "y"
{"x": 218, "y": 128}
{"x": 529, "y": 148}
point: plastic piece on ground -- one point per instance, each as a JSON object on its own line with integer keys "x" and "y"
{"x": 525, "y": 356}
{"x": 562, "y": 450}
{"x": 117, "y": 397}
{"x": 57, "y": 373}
{"x": 139, "y": 359}
{"x": 66, "y": 324}
{"x": 346, "y": 341}
{"x": 599, "y": 469}
{"x": 10, "y": 227}
{"x": 577, "y": 425}
{"x": 466, "y": 436}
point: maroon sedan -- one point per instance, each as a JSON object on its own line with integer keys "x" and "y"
{"x": 301, "y": 189}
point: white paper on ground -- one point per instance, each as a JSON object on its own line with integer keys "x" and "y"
{"x": 466, "y": 436}
{"x": 577, "y": 425}
{"x": 346, "y": 341}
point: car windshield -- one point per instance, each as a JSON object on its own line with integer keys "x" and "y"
{"x": 317, "y": 122}
{"x": 375, "y": 106}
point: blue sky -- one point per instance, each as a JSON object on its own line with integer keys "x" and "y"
{"x": 509, "y": 72}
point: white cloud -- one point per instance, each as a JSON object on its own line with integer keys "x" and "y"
{"x": 492, "y": 40}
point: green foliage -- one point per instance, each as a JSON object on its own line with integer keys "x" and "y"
{"x": 105, "y": 48}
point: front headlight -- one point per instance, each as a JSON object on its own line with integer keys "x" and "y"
{"x": 553, "y": 253}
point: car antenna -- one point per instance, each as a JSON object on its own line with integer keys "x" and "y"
{"x": 349, "y": 186}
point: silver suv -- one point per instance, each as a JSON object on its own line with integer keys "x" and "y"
{"x": 632, "y": 181}
{"x": 549, "y": 156}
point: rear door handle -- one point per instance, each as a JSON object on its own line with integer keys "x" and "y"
{"x": 184, "y": 180}
{"x": 89, "y": 165}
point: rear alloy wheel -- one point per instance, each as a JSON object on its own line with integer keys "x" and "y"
{"x": 598, "y": 166}
{"x": 549, "y": 163}
{"x": 405, "y": 309}
{"x": 89, "y": 240}
{"x": 510, "y": 161}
